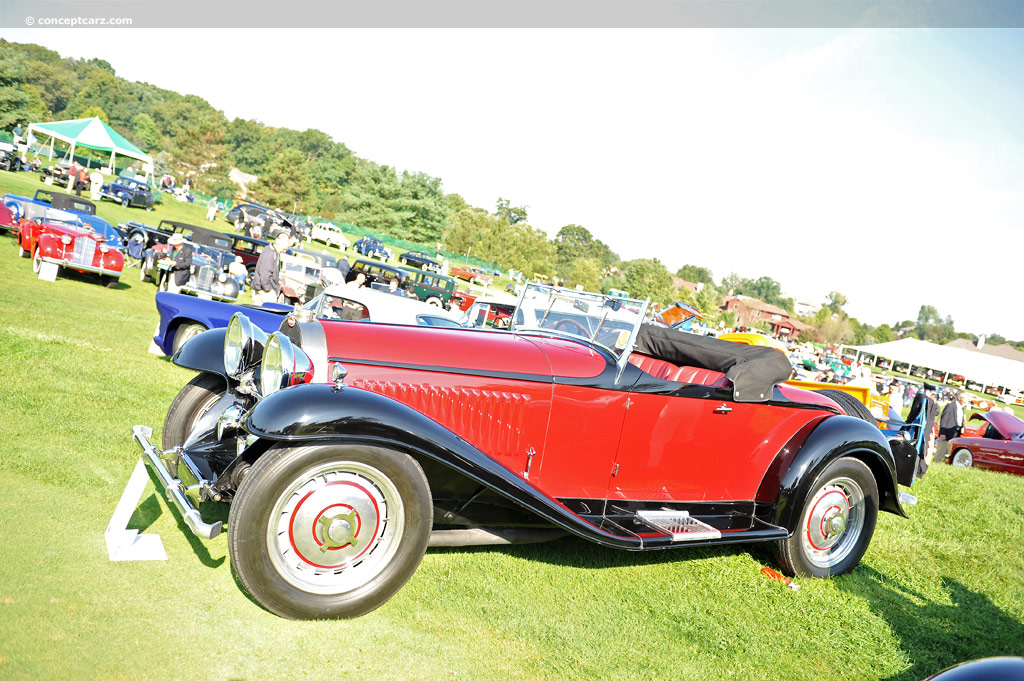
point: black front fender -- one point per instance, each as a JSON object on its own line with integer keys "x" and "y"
{"x": 204, "y": 352}
{"x": 321, "y": 413}
{"x": 835, "y": 437}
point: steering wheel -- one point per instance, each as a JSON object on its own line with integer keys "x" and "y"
{"x": 558, "y": 326}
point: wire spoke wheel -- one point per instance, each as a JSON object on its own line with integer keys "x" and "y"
{"x": 833, "y": 522}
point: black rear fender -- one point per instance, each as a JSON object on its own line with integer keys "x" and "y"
{"x": 833, "y": 438}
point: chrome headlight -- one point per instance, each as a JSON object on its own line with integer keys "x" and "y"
{"x": 243, "y": 344}
{"x": 283, "y": 365}
{"x": 65, "y": 239}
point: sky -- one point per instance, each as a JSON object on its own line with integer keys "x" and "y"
{"x": 887, "y": 165}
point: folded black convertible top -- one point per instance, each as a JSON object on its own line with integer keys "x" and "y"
{"x": 753, "y": 369}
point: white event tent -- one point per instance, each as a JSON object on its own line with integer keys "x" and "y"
{"x": 989, "y": 370}
{"x": 90, "y": 133}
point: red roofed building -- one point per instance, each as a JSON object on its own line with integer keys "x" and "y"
{"x": 750, "y": 310}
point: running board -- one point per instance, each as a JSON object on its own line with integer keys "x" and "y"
{"x": 679, "y": 525}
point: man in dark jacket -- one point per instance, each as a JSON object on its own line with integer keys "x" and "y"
{"x": 266, "y": 280}
{"x": 951, "y": 423}
{"x": 181, "y": 270}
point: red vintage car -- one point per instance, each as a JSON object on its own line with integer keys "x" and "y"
{"x": 73, "y": 245}
{"x": 999, "y": 445}
{"x": 346, "y": 449}
{"x": 473, "y": 275}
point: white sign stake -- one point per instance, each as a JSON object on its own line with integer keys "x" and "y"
{"x": 125, "y": 544}
{"x": 48, "y": 271}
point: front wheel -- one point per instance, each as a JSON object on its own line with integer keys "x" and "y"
{"x": 37, "y": 261}
{"x": 836, "y": 524}
{"x": 963, "y": 458}
{"x": 329, "y": 531}
{"x": 124, "y": 202}
{"x": 193, "y": 401}
{"x": 108, "y": 281}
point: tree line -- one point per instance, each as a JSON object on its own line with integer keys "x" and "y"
{"x": 308, "y": 172}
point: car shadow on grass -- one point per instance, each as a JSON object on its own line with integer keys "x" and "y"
{"x": 574, "y": 552}
{"x": 936, "y": 633}
{"x": 210, "y": 512}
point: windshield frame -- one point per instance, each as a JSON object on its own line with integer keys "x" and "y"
{"x": 608, "y": 304}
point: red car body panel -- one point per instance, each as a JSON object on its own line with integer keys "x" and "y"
{"x": 86, "y": 251}
{"x": 1002, "y": 450}
{"x": 572, "y": 441}
{"x": 7, "y": 220}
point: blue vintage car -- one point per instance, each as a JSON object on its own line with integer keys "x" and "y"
{"x": 48, "y": 204}
{"x": 129, "y": 192}
{"x": 184, "y": 316}
{"x": 372, "y": 248}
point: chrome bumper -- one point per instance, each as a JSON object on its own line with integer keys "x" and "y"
{"x": 185, "y": 498}
{"x": 83, "y": 268}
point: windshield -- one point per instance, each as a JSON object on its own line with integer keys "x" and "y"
{"x": 610, "y": 323}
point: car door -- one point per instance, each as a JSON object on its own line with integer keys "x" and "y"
{"x": 695, "y": 444}
{"x": 1006, "y": 456}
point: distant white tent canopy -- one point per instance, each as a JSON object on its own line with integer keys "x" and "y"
{"x": 90, "y": 133}
{"x": 976, "y": 366}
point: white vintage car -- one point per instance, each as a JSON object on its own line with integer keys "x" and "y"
{"x": 330, "y": 235}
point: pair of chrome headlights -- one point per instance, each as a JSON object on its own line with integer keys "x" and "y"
{"x": 281, "y": 363}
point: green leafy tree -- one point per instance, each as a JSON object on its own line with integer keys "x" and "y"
{"x": 883, "y": 334}
{"x": 513, "y": 214}
{"x": 94, "y": 111}
{"x": 698, "y": 275}
{"x": 587, "y": 273}
{"x": 14, "y": 101}
{"x": 648, "y": 277}
{"x": 285, "y": 180}
{"x": 145, "y": 131}
{"x": 835, "y": 302}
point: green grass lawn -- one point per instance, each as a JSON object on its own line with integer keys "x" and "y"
{"x": 941, "y": 587}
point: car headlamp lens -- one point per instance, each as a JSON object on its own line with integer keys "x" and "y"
{"x": 65, "y": 240}
{"x": 273, "y": 374}
{"x": 243, "y": 345}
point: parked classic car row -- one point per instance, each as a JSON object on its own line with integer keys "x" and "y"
{"x": 345, "y": 449}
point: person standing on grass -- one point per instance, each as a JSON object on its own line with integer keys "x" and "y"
{"x": 951, "y": 422}
{"x": 181, "y": 270}
{"x": 72, "y": 176}
{"x": 211, "y": 209}
{"x": 266, "y": 281}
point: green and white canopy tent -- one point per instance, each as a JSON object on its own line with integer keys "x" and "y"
{"x": 90, "y": 133}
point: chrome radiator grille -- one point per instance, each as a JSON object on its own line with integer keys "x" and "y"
{"x": 85, "y": 248}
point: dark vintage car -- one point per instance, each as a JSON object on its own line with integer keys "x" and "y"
{"x": 128, "y": 192}
{"x": 208, "y": 277}
{"x": 420, "y": 260}
{"x": 999, "y": 446}
{"x": 9, "y": 159}
{"x": 345, "y": 449}
{"x": 57, "y": 173}
{"x": 376, "y": 273}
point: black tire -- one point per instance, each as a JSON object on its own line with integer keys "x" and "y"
{"x": 435, "y": 301}
{"x": 22, "y": 253}
{"x": 124, "y": 201}
{"x": 962, "y": 458}
{"x": 192, "y": 401}
{"x": 368, "y": 568}
{"x": 820, "y": 545}
{"x": 37, "y": 263}
{"x": 850, "y": 404}
{"x": 184, "y": 334}
{"x": 108, "y": 281}
{"x": 148, "y": 266}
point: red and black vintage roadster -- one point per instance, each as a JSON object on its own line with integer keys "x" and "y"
{"x": 347, "y": 448}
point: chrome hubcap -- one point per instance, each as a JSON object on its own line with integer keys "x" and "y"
{"x": 832, "y": 522}
{"x": 962, "y": 459}
{"x": 335, "y": 528}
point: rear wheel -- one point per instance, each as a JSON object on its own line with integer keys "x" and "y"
{"x": 329, "y": 531}
{"x": 435, "y": 301}
{"x": 184, "y": 334}
{"x": 963, "y": 458}
{"x": 850, "y": 404}
{"x": 124, "y": 201}
{"x": 836, "y": 523}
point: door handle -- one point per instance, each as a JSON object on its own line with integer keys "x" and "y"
{"x": 723, "y": 409}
